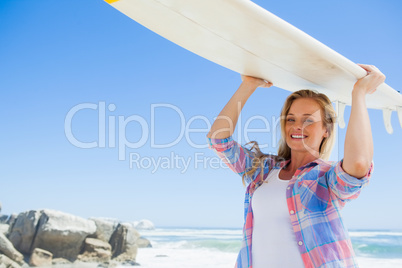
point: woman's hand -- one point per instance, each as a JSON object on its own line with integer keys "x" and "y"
{"x": 257, "y": 82}
{"x": 369, "y": 83}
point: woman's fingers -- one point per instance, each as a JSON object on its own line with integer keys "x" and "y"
{"x": 370, "y": 68}
{"x": 255, "y": 80}
{"x": 372, "y": 80}
{"x": 266, "y": 83}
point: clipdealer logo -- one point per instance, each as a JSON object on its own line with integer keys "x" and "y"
{"x": 112, "y": 133}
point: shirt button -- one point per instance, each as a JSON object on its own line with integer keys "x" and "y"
{"x": 292, "y": 212}
{"x": 288, "y": 188}
{"x": 300, "y": 243}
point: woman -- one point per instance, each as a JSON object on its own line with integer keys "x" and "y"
{"x": 294, "y": 220}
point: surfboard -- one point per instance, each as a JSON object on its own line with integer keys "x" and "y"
{"x": 245, "y": 38}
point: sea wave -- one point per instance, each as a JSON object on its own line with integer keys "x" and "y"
{"x": 376, "y": 244}
{"x": 373, "y": 233}
{"x": 165, "y": 234}
{"x": 208, "y": 244}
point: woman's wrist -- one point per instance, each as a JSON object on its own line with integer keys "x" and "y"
{"x": 358, "y": 92}
{"x": 251, "y": 84}
{"x": 248, "y": 87}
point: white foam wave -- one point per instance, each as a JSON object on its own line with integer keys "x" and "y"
{"x": 192, "y": 258}
{"x": 372, "y": 234}
{"x": 193, "y": 233}
{"x": 218, "y": 248}
{"x": 204, "y": 258}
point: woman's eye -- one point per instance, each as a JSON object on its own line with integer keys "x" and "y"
{"x": 290, "y": 120}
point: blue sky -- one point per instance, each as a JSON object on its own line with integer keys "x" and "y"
{"x": 61, "y": 55}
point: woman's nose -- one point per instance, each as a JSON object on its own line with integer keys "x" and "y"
{"x": 298, "y": 125}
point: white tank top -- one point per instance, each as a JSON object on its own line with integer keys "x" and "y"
{"x": 274, "y": 243}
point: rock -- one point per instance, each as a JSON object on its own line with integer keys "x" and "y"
{"x": 144, "y": 225}
{"x": 6, "y": 262}
{"x": 143, "y": 243}
{"x": 8, "y": 249}
{"x": 96, "y": 250}
{"x": 4, "y": 228}
{"x": 40, "y": 257}
{"x": 104, "y": 228}
{"x": 23, "y": 230}
{"x": 123, "y": 242}
{"x": 3, "y": 218}
{"x": 130, "y": 263}
{"x": 109, "y": 264}
{"x": 11, "y": 219}
{"x": 60, "y": 261}
{"x": 62, "y": 234}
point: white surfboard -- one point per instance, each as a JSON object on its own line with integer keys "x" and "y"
{"x": 248, "y": 39}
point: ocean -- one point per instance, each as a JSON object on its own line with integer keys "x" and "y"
{"x": 218, "y": 248}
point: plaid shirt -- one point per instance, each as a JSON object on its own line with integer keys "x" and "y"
{"x": 315, "y": 195}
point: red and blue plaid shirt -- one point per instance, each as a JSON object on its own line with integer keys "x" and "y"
{"x": 315, "y": 195}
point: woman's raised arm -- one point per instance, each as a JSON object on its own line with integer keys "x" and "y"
{"x": 226, "y": 121}
{"x": 359, "y": 141}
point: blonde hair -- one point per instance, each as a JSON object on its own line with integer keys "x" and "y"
{"x": 328, "y": 116}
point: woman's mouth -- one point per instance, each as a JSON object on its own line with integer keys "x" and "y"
{"x": 298, "y": 136}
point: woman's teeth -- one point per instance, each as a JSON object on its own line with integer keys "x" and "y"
{"x": 298, "y": 136}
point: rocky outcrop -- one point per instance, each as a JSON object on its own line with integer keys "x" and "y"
{"x": 123, "y": 242}
{"x": 143, "y": 243}
{"x": 40, "y": 257}
{"x": 62, "y": 233}
{"x": 4, "y": 228}
{"x": 60, "y": 261}
{"x": 6, "y": 262}
{"x": 96, "y": 250}
{"x": 3, "y": 218}
{"x": 11, "y": 219}
{"x": 23, "y": 231}
{"x": 144, "y": 225}
{"x": 104, "y": 228}
{"x": 7, "y": 248}
{"x": 58, "y": 232}
{"x": 49, "y": 237}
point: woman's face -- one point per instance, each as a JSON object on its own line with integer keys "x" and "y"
{"x": 304, "y": 127}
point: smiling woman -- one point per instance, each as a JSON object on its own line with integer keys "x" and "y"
{"x": 305, "y": 218}
{"x": 308, "y": 115}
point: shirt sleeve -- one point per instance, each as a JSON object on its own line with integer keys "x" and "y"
{"x": 344, "y": 186}
{"x": 236, "y": 157}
